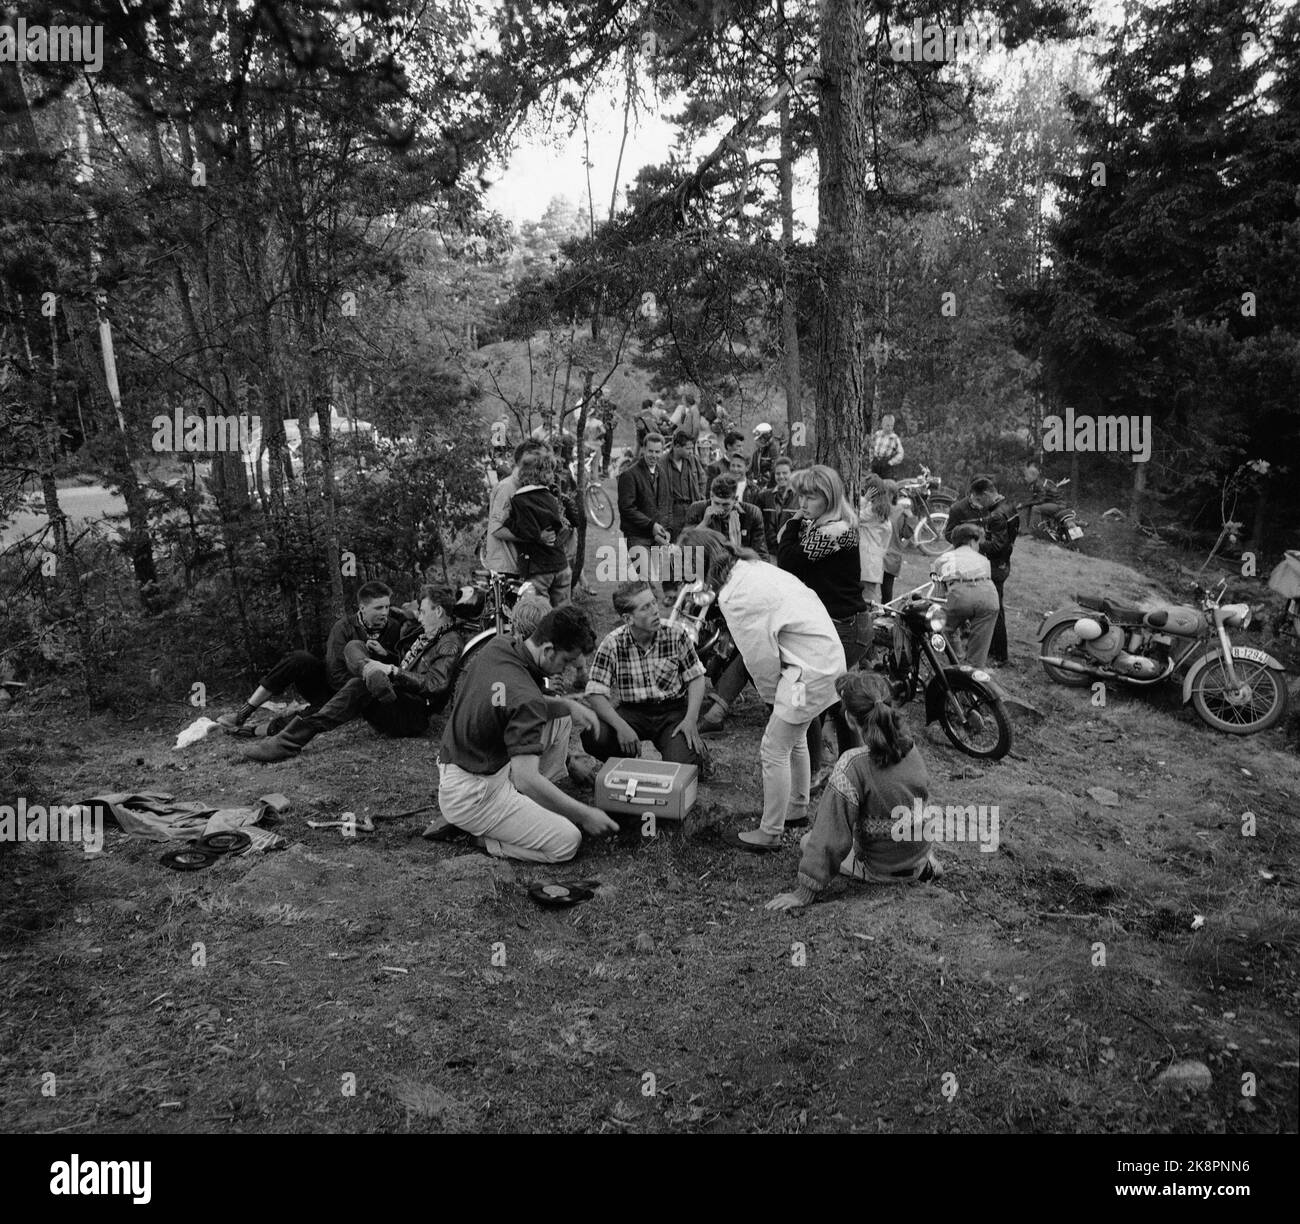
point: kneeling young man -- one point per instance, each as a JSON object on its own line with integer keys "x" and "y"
{"x": 489, "y": 781}
{"x": 396, "y": 699}
{"x": 653, "y": 671}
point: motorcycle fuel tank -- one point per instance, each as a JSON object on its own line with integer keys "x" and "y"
{"x": 1180, "y": 619}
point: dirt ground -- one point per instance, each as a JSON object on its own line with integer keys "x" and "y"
{"x": 387, "y": 984}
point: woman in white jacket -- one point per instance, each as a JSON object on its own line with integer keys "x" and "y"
{"x": 793, "y": 655}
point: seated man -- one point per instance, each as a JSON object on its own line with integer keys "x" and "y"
{"x": 731, "y": 518}
{"x": 490, "y": 784}
{"x": 376, "y": 626}
{"x": 396, "y": 699}
{"x": 653, "y": 672}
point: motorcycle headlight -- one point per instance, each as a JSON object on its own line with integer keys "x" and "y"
{"x": 939, "y": 642}
{"x": 1235, "y": 616}
{"x": 937, "y": 618}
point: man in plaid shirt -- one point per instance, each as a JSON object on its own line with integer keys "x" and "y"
{"x": 651, "y": 670}
{"x": 885, "y": 450}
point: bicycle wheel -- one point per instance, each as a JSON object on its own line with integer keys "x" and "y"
{"x": 928, "y": 533}
{"x": 600, "y": 510}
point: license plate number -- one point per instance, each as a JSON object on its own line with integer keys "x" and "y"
{"x": 1075, "y": 532}
{"x": 1249, "y": 652}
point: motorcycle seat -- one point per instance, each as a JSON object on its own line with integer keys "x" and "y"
{"x": 1123, "y": 614}
{"x": 1090, "y": 602}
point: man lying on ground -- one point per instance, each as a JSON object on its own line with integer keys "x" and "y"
{"x": 490, "y": 782}
{"x": 376, "y": 626}
{"x": 652, "y": 671}
{"x": 396, "y": 699}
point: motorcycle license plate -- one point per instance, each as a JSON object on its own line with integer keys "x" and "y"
{"x": 1076, "y": 532}
{"x": 1249, "y": 652}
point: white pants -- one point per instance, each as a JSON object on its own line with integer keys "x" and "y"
{"x": 511, "y": 824}
{"x": 786, "y": 773}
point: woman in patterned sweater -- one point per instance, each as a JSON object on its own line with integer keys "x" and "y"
{"x": 821, "y": 549}
{"x": 853, "y": 834}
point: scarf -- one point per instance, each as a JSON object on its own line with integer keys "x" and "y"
{"x": 419, "y": 646}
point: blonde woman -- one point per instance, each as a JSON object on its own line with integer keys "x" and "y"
{"x": 821, "y": 548}
{"x": 793, "y": 654}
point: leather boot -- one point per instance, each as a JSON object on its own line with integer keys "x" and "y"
{"x": 712, "y": 722}
{"x": 286, "y": 745}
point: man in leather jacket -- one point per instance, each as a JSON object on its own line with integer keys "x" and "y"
{"x": 396, "y": 699}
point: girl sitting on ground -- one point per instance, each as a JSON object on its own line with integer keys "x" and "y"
{"x": 853, "y": 833}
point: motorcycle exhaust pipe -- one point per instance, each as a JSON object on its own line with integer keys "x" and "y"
{"x": 1068, "y": 665}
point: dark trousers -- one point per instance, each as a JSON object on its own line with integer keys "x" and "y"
{"x": 606, "y": 449}
{"x": 998, "y": 647}
{"x": 651, "y": 720}
{"x": 734, "y": 678}
{"x": 305, "y": 672}
{"x": 403, "y": 718}
{"x": 887, "y": 587}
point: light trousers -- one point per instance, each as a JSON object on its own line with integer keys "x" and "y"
{"x": 787, "y": 776}
{"x": 511, "y": 824}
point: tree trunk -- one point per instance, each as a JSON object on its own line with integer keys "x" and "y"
{"x": 796, "y": 430}
{"x": 842, "y": 236}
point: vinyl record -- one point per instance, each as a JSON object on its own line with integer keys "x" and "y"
{"x": 189, "y": 858}
{"x": 559, "y": 895}
{"x": 226, "y": 841}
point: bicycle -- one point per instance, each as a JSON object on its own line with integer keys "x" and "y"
{"x": 595, "y": 501}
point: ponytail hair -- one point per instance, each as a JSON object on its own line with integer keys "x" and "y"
{"x": 868, "y": 700}
{"x": 717, "y": 554}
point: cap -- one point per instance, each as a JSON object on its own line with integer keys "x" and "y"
{"x": 763, "y": 428}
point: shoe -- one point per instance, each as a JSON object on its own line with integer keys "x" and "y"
{"x": 380, "y": 686}
{"x": 441, "y": 830}
{"x": 285, "y": 745}
{"x": 714, "y": 721}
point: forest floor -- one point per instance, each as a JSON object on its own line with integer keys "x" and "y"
{"x": 386, "y": 984}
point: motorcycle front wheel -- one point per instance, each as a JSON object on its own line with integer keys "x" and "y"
{"x": 975, "y": 720}
{"x": 1063, "y": 640}
{"x": 1261, "y": 703}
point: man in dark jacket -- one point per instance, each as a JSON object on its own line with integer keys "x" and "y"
{"x": 376, "y": 625}
{"x": 644, "y": 504}
{"x": 737, "y": 521}
{"x": 779, "y": 505}
{"x": 984, "y": 505}
{"x": 686, "y": 480}
{"x": 732, "y": 444}
{"x": 396, "y": 698}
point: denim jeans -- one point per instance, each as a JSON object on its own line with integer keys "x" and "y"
{"x": 783, "y": 752}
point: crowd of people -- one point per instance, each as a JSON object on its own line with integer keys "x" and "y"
{"x": 796, "y": 564}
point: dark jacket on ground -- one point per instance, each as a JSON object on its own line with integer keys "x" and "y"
{"x": 349, "y": 629}
{"x": 534, "y": 509}
{"x": 643, "y": 500}
{"x": 1001, "y": 525}
{"x": 752, "y": 534}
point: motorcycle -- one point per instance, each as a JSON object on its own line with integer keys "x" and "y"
{"x": 483, "y": 609}
{"x": 966, "y": 701}
{"x": 928, "y": 501}
{"x": 1285, "y": 580}
{"x": 1063, "y": 528}
{"x": 1236, "y": 689}
{"x": 696, "y": 611}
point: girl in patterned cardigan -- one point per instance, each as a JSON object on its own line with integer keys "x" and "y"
{"x": 856, "y": 817}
